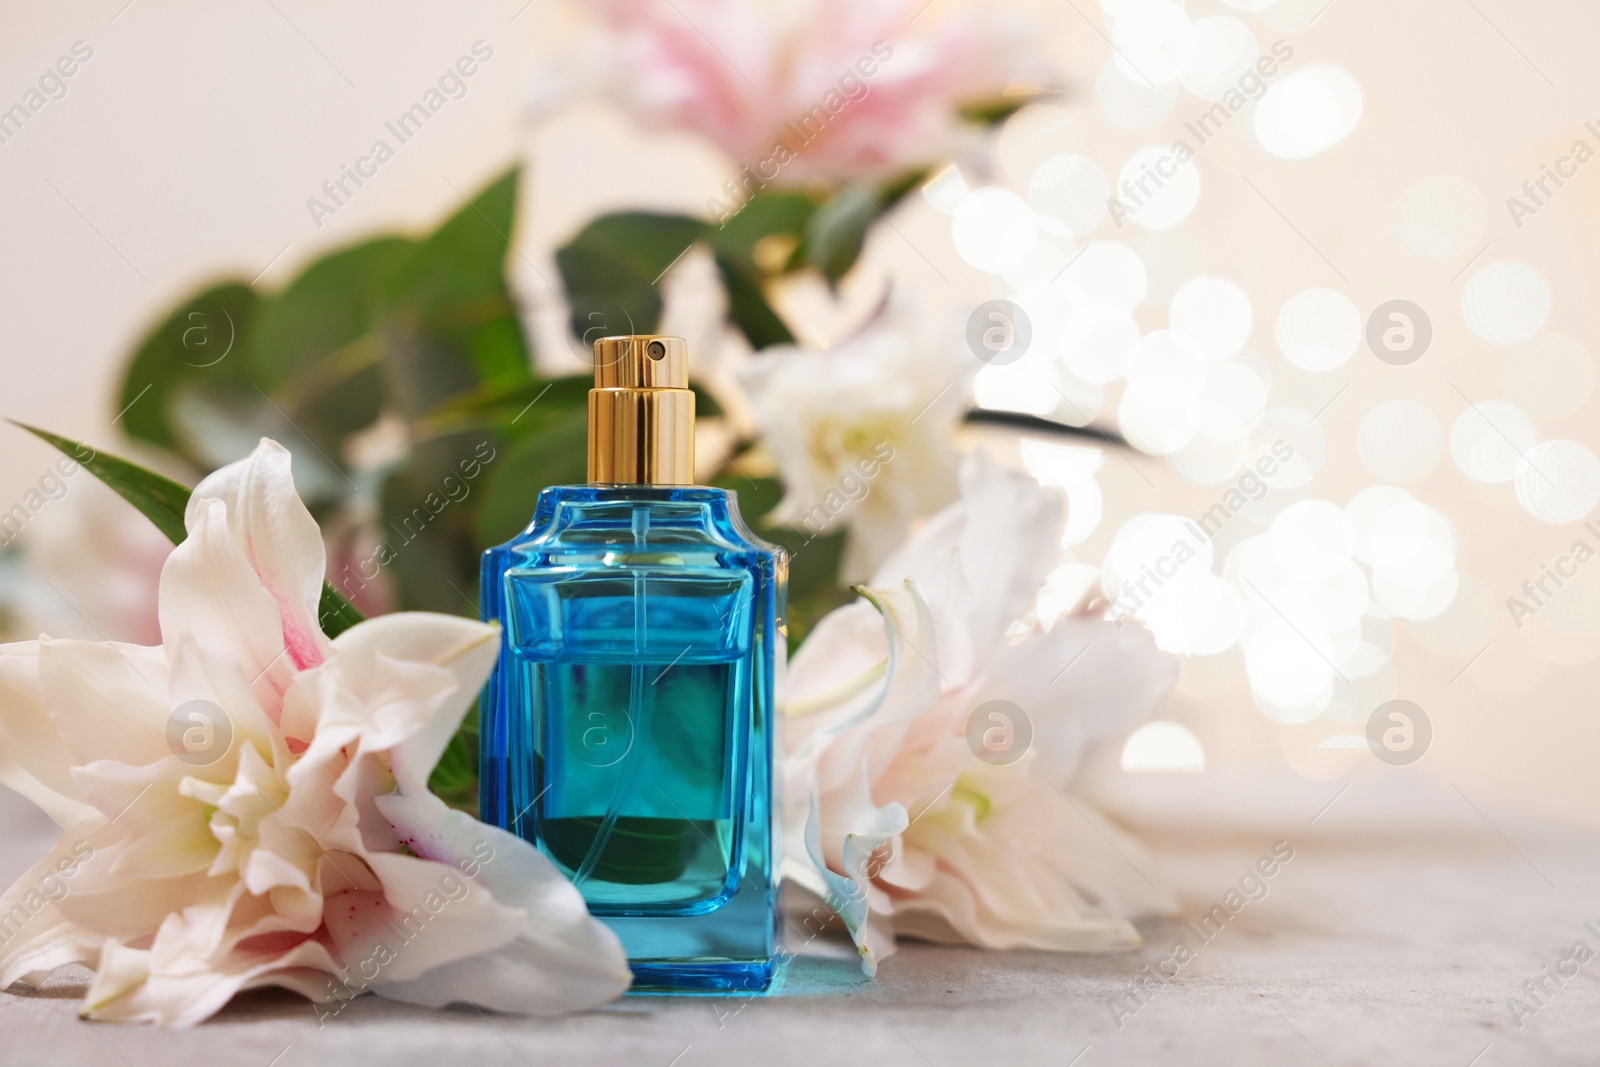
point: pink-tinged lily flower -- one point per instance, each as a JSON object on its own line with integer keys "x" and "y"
{"x": 933, "y": 737}
{"x": 797, "y": 89}
{"x": 246, "y": 803}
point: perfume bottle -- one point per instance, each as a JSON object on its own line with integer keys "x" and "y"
{"x": 628, "y": 729}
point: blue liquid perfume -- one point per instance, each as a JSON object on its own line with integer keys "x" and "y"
{"x": 628, "y": 729}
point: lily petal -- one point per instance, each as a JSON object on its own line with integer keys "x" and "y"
{"x": 128, "y": 987}
{"x": 466, "y": 648}
{"x": 35, "y": 937}
{"x": 873, "y": 830}
{"x": 273, "y": 860}
{"x": 1084, "y": 680}
{"x": 102, "y": 699}
{"x": 1027, "y": 868}
{"x": 981, "y": 561}
{"x": 561, "y": 958}
{"x": 212, "y": 596}
{"x": 910, "y": 687}
{"x": 33, "y": 759}
{"x": 279, "y": 538}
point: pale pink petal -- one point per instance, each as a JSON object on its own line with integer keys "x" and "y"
{"x": 128, "y": 988}
{"x": 382, "y": 700}
{"x": 203, "y": 674}
{"x": 211, "y": 596}
{"x": 560, "y": 959}
{"x": 274, "y": 861}
{"x": 867, "y": 742}
{"x": 1084, "y": 680}
{"x": 183, "y": 846}
{"x": 435, "y": 914}
{"x": 466, "y": 648}
{"x": 993, "y": 856}
{"x": 137, "y": 798}
{"x": 365, "y": 706}
{"x": 107, "y": 701}
{"x": 844, "y": 656}
{"x": 1017, "y": 865}
{"x": 866, "y": 845}
{"x": 278, "y": 537}
{"x": 981, "y": 562}
{"x": 35, "y": 937}
{"x": 34, "y": 760}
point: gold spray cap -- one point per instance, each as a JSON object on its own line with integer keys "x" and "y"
{"x": 641, "y": 412}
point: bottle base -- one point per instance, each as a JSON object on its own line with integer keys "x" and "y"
{"x": 703, "y": 979}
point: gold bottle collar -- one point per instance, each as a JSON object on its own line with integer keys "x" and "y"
{"x": 641, "y": 412}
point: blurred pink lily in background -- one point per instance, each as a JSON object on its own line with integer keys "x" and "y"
{"x": 913, "y": 823}
{"x": 838, "y": 89}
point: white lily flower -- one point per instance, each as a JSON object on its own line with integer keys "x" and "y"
{"x": 246, "y": 804}
{"x": 862, "y": 432}
{"x": 907, "y": 830}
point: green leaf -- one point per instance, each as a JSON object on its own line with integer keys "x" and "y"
{"x": 328, "y": 305}
{"x": 335, "y": 614}
{"x": 611, "y": 267}
{"x": 994, "y": 112}
{"x": 512, "y": 407}
{"x": 314, "y": 347}
{"x": 745, "y": 263}
{"x": 428, "y": 508}
{"x": 162, "y": 501}
{"x": 517, "y": 409}
{"x": 556, "y": 455}
{"x": 431, "y": 549}
{"x": 838, "y": 231}
{"x": 455, "y": 777}
{"x": 463, "y": 260}
{"x": 158, "y": 498}
{"x": 447, "y": 307}
{"x": 814, "y": 585}
{"x": 747, "y": 305}
{"x": 202, "y": 340}
{"x": 756, "y": 497}
{"x": 646, "y": 242}
{"x": 765, "y": 215}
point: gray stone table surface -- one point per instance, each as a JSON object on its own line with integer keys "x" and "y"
{"x": 1367, "y": 948}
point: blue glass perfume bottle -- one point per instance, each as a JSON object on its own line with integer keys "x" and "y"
{"x": 628, "y": 729}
